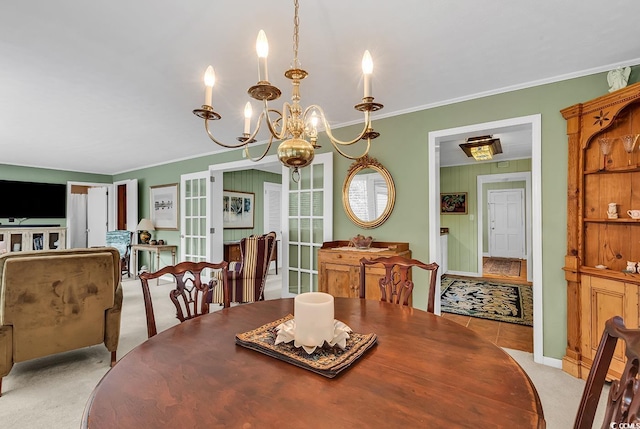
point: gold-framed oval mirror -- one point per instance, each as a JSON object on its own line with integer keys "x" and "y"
{"x": 368, "y": 193}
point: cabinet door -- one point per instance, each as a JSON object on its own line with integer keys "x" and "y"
{"x": 372, "y": 278}
{"x": 601, "y": 300}
{"x": 338, "y": 280}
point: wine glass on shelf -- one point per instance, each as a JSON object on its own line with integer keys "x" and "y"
{"x": 629, "y": 143}
{"x": 605, "y": 148}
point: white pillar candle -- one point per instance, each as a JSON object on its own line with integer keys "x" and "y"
{"x": 313, "y": 314}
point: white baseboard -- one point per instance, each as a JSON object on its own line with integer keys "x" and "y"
{"x": 552, "y": 362}
{"x": 463, "y": 273}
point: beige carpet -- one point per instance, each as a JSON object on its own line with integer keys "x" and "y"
{"x": 51, "y": 392}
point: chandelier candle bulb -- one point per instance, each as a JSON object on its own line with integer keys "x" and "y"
{"x": 209, "y": 81}
{"x": 248, "y": 112}
{"x": 367, "y": 70}
{"x": 262, "y": 48}
{"x": 314, "y": 319}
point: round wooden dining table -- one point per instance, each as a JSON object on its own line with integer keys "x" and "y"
{"x": 424, "y": 372}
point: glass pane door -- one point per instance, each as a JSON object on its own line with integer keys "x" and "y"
{"x": 194, "y": 238}
{"x": 309, "y": 222}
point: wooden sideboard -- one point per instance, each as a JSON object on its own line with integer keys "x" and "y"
{"x": 339, "y": 267}
{"x": 24, "y": 238}
{"x": 599, "y": 286}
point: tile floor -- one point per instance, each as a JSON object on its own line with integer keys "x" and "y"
{"x": 509, "y": 335}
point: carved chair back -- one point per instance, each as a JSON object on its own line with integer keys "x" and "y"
{"x": 190, "y": 293}
{"x": 395, "y": 286}
{"x": 623, "y": 404}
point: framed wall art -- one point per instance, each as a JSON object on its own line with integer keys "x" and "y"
{"x": 164, "y": 206}
{"x": 237, "y": 209}
{"x": 453, "y": 203}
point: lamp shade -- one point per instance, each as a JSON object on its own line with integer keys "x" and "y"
{"x": 145, "y": 225}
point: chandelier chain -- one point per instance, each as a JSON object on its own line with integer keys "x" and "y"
{"x": 296, "y": 35}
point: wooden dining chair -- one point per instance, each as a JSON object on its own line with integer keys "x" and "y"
{"x": 395, "y": 286}
{"x": 190, "y": 293}
{"x": 623, "y": 404}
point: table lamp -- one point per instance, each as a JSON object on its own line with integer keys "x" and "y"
{"x": 144, "y": 227}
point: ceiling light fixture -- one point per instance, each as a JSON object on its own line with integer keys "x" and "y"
{"x": 297, "y": 125}
{"x": 481, "y": 148}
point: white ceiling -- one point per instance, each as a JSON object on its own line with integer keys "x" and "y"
{"x": 108, "y": 87}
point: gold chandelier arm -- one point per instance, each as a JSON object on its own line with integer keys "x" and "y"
{"x": 327, "y": 128}
{"x": 272, "y": 124}
{"x": 237, "y": 146}
{"x": 246, "y": 151}
{"x": 349, "y": 156}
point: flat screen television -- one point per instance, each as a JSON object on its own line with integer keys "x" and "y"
{"x": 32, "y": 200}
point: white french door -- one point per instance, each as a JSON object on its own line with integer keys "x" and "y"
{"x": 506, "y": 223}
{"x": 195, "y": 242}
{"x": 308, "y": 222}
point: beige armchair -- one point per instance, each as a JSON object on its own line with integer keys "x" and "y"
{"x": 56, "y": 301}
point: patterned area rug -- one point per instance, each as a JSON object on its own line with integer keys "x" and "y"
{"x": 502, "y": 267}
{"x": 488, "y": 300}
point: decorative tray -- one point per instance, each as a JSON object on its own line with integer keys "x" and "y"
{"x": 326, "y": 361}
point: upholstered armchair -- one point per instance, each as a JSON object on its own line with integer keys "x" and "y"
{"x": 58, "y": 300}
{"x": 121, "y": 240}
{"x": 247, "y": 277}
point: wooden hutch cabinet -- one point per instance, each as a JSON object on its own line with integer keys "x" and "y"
{"x": 339, "y": 267}
{"x": 599, "y": 286}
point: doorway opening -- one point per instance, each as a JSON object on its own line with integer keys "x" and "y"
{"x": 269, "y": 164}
{"x": 532, "y": 125}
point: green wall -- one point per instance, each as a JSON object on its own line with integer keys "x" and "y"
{"x": 249, "y": 181}
{"x": 463, "y": 228}
{"x": 403, "y": 149}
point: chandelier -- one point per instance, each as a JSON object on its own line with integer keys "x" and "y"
{"x": 296, "y": 126}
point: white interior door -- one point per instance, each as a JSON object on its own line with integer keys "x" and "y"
{"x": 195, "y": 241}
{"x": 307, "y": 210}
{"x": 273, "y": 215}
{"x": 506, "y": 223}
{"x": 97, "y": 216}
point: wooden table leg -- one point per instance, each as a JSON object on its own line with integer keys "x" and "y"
{"x": 157, "y": 265}
{"x": 135, "y": 263}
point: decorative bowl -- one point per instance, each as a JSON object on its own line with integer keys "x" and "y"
{"x": 361, "y": 242}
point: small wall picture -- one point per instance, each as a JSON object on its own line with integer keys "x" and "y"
{"x": 164, "y": 206}
{"x": 237, "y": 209}
{"x": 453, "y": 203}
